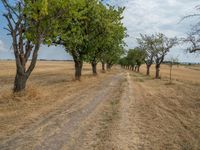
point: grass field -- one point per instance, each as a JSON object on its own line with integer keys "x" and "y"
{"x": 119, "y": 109}
{"x": 184, "y": 73}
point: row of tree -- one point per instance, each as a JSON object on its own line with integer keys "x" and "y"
{"x": 89, "y": 30}
{"x": 152, "y": 49}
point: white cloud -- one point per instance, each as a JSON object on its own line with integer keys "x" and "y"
{"x": 142, "y": 16}
{"x": 2, "y": 47}
{"x": 151, "y": 16}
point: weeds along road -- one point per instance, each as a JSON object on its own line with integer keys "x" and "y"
{"x": 125, "y": 111}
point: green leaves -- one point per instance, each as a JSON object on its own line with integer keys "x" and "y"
{"x": 136, "y": 56}
{"x": 156, "y": 47}
{"x": 36, "y": 9}
{"x": 91, "y": 30}
{"x": 86, "y": 28}
{"x": 41, "y": 19}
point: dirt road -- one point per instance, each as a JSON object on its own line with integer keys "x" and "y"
{"x": 125, "y": 111}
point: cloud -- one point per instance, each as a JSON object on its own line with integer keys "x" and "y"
{"x": 150, "y": 16}
{"x": 2, "y": 47}
{"x": 142, "y": 16}
{"x": 153, "y": 16}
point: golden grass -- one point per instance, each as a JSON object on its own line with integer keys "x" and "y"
{"x": 49, "y": 83}
{"x": 180, "y": 73}
{"x": 52, "y": 82}
{"x": 167, "y": 114}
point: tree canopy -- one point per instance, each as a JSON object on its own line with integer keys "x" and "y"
{"x": 88, "y": 30}
{"x": 27, "y": 26}
{"x": 91, "y": 32}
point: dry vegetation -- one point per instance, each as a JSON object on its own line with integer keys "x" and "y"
{"x": 117, "y": 110}
{"x": 183, "y": 73}
{"x": 167, "y": 114}
{"x": 49, "y": 85}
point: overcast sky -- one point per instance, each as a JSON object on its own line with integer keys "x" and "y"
{"x": 140, "y": 16}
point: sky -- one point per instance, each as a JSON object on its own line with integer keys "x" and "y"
{"x": 140, "y": 16}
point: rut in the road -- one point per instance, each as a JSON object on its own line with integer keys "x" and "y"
{"x": 125, "y": 135}
{"x": 56, "y": 130}
{"x": 115, "y": 128}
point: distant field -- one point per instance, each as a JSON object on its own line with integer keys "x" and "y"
{"x": 119, "y": 109}
{"x": 44, "y": 72}
{"x": 183, "y": 73}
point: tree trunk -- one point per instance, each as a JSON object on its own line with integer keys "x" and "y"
{"x": 20, "y": 82}
{"x": 135, "y": 68}
{"x": 78, "y": 69}
{"x": 148, "y": 70}
{"x": 157, "y": 71}
{"x": 22, "y": 74}
{"x": 138, "y": 68}
{"x": 170, "y": 73}
{"x": 108, "y": 66}
{"x": 94, "y": 68}
{"x": 103, "y": 66}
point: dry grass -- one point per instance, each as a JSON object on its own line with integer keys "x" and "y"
{"x": 160, "y": 115}
{"x": 187, "y": 74}
{"x": 152, "y": 114}
{"x": 46, "y": 89}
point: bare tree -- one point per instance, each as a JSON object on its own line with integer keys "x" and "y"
{"x": 193, "y": 37}
{"x": 194, "y": 41}
{"x": 27, "y": 35}
{"x": 162, "y": 46}
{"x": 22, "y": 47}
{"x": 146, "y": 44}
{"x": 172, "y": 62}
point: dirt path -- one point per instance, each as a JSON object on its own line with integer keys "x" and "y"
{"x": 125, "y": 136}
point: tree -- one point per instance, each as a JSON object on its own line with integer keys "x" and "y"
{"x": 172, "y": 61}
{"x": 106, "y": 34}
{"x": 97, "y": 34}
{"x": 115, "y": 55}
{"x": 146, "y": 44}
{"x": 86, "y": 32}
{"x": 114, "y": 42}
{"x": 124, "y": 62}
{"x": 161, "y": 45}
{"x": 131, "y": 63}
{"x": 194, "y": 41}
{"x": 136, "y": 58}
{"x": 72, "y": 32}
{"x": 193, "y": 37}
{"x": 27, "y": 25}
